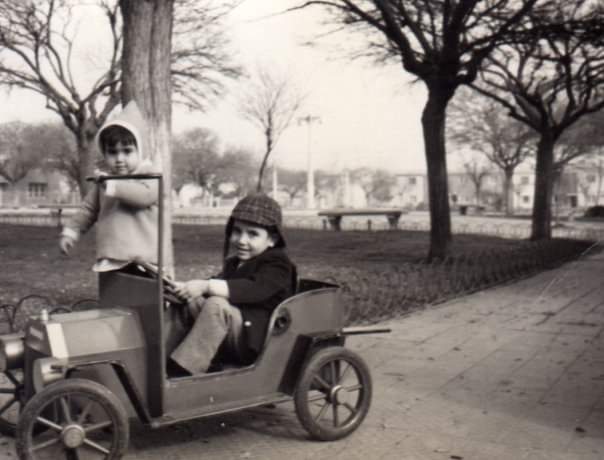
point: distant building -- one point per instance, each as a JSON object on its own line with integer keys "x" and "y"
{"x": 38, "y": 187}
{"x": 410, "y": 191}
{"x": 581, "y": 185}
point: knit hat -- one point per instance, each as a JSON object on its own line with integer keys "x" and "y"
{"x": 259, "y": 209}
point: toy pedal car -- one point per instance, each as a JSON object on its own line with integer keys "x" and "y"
{"x": 74, "y": 379}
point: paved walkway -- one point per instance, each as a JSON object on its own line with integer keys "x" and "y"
{"x": 515, "y": 372}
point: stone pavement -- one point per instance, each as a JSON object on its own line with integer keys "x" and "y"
{"x": 515, "y": 372}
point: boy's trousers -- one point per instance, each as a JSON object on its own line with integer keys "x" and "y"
{"x": 216, "y": 323}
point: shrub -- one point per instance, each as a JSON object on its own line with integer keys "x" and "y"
{"x": 595, "y": 211}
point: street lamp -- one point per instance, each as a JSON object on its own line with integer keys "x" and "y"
{"x": 310, "y": 174}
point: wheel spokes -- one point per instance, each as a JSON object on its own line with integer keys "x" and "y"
{"x": 49, "y": 423}
{"x": 7, "y": 405}
{"x": 45, "y": 444}
{"x": 14, "y": 380}
{"x": 351, "y": 388}
{"x": 84, "y": 413}
{"x": 65, "y": 409}
{"x": 337, "y": 376}
{"x": 343, "y": 376}
{"x": 319, "y": 397}
{"x": 97, "y": 426}
{"x": 96, "y": 446}
{"x": 352, "y": 410}
{"x": 322, "y": 382}
{"x": 335, "y": 414}
{"x": 334, "y": 371}
{"x": 322, "y": 411}
{"x": 72, "y": 454}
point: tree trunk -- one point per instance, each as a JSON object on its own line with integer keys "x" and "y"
{"x": 86, "y": 163}
{"x": 544, "y": 181}
{"x": 146, "y": 79}
{"x": 269, "y": 149}
{"x": 433, "y": 123}
{"x": 508, "y": 175}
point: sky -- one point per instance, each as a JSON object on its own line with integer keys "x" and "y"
{"x": 368, "y": 115}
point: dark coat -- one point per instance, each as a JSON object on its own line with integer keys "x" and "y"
{"x": 256, "y": 287}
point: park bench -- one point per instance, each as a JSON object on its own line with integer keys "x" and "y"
{"x": 334, "y": 216}
{"x": 471, "y": 209}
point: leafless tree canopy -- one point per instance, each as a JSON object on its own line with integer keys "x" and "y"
{"x": 443, "y": 43}
{"x": 37, "y": 45}
{"x": 554, "y": 79}
{"x": 41, "y": 50}
{"x": 479, "y": 123}
{"x": 429, "y": 37}
{"x": 270, "y": 103}
{"x": 548, "y": 81}
{"x": 200, "y": 58}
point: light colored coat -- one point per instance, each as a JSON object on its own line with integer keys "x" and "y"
{"x": 126, "y": 214}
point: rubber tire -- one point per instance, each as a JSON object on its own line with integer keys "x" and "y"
{"x": 315, "y": 367}
{"x": 7, "y": 427}
{"x": 81, "y": 388}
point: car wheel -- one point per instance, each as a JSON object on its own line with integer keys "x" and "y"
{"x": 83, "y": 419}
{"x": 333, "y": 394}
{"x": 11, "y": 400}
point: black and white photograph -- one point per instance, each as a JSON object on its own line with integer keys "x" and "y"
{"x": 301, "y": 229}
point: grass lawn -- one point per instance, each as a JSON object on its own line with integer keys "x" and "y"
{"x": 32, "y": 264}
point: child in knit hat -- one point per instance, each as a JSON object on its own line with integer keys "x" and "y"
{"x": 233, "y": 309}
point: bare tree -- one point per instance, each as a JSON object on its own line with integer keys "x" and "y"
{"x": 443, "y": 44}
{"x": 476, "y": 173}
{"x": 292, "y": 182}
{"x": 17, "y": 154}
{"x": 36, "y": 54}
{"x": 549, "y": 82}
{"x": 377, "y": 184}
{"x": 200, "y": 52}
{"x": 592, "y": 167}
{"x": 195, "y": 158}
{"x": 270, "y": 103}
{"x": 326, "y": 183}
{"x": 480, "y": 124}
{"x": 40, "y": 46}
{"x": 237, "y": 167}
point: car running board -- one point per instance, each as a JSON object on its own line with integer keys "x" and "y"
{"x": 357, "y": 330}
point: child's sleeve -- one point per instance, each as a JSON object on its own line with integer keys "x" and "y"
{"x": 137, "y": 193}
{"x": 272, "y": 277}
{"x": 85, "y": 216}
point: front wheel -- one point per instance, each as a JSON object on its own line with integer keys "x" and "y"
{"x": 333, "y": 394}
{"x": 11, "y": 398}
{"x": 82, "y": 420}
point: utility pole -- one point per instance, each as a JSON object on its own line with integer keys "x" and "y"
{"x": 310, "y": 174}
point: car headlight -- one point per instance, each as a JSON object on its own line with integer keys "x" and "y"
{"x": 12, "y": 351}
{"x": 46, "y": 371}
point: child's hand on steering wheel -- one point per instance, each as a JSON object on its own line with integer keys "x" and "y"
{"x": 190, "y": 290}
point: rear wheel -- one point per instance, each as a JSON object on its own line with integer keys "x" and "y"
{"x": 333, "y": 394}
{"x": 11, "y": 400}
{"x": 83, "y": 420}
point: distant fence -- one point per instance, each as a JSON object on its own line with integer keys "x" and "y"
{"x": 55, "y": 217}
